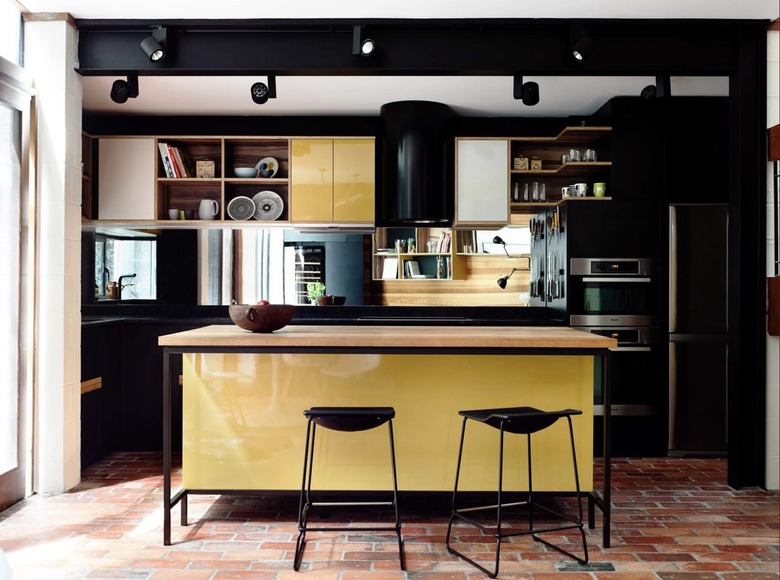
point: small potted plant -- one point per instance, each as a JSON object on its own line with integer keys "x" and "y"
{"x": 316, "y": 292}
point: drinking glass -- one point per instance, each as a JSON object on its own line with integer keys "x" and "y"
{"x": 574, "y": 154}
{"x": 543, "y": 192}
{"x": 590, "y": 155}
{"x": 535, "y": 191}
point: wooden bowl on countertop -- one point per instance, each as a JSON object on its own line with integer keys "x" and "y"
{"x": 261, "y": 318}
{"x": 331, "y": 300}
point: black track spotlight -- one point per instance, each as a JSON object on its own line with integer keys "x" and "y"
{"x": 580, "y": 43}
{"x": 123, "y": 90}
{"x": 261, "y": 92}
{"x": 154, "y": 46}
{"x": 528, "y": 92}
{"x": 661, "y": 88}
{"x": 362, "y": 46}
{"x": 504, "y": 279}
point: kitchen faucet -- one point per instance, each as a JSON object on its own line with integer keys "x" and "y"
{"x": 121, "y": 286}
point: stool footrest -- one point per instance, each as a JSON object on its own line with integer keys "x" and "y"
{"x": 491, "y": 531}
{"x": 350, "y": 503}
{"x": 393, "y": 529}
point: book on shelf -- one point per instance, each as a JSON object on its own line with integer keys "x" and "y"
{"x": 166, "y": 160}
{"x": 411, "y": 269}
{"x": 445, "y": 239}
{"x": 390, "y": 269}
{"x": 182, "y": 166}
{"x": 175, "y": 161}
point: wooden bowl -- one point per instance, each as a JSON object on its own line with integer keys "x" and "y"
{"x": 331, "y": 300}
{"x": 261, "y": 318}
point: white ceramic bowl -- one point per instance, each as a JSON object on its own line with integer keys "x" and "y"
{"x": 245, "y": 171}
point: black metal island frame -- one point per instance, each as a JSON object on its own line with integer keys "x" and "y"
{"x": 244, "y": 395}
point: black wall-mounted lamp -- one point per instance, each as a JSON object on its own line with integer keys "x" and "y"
{"x": 500, "y": 240}
{"x": 528, "y": 92}
{"x": 504, "y": 279}
{"x": 362, "y": 46}
{"x": 581, "y": 45}
{"x": 154, "y": 46}
{"x": 123, "y": 90}
{"x": 261, "y": 92}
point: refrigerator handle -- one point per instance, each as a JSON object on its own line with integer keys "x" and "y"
{"x": 672, "y": 394}
{"x": 672, "y": 269}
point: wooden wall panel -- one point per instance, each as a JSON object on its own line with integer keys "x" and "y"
{"x": 479, "y": 288}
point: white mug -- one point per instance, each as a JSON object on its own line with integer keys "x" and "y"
{"x": 207, "y": 209}
{"x": 582, "y": 189}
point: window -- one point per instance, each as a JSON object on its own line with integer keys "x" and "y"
{"x": 133, "y": 260}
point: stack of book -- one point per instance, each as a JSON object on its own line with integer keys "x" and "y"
{"x": 175, "y": 161}
{"x": 445, "y": 239}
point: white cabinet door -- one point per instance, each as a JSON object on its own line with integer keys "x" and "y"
{"x": 126, "y": 179}
{"x": 482, "y": 182}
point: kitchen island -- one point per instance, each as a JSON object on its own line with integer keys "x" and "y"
{"x": 245, "y": 393}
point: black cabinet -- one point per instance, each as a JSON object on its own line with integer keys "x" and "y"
{"x": 140, "y": 425}
{"x": 696, "y": 156}
{"x": 125, "y": 413}
{"x": 100, "y": 406}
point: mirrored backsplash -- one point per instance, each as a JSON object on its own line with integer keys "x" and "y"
{"x": 216, "y": 267}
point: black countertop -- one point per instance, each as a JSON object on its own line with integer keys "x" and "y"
{"x": 107, "y": 313}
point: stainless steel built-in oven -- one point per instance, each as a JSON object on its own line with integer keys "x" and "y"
{"x": 613, "y": 292}
{"x": 620, "y": 298}
{"x": 636, "y": 388}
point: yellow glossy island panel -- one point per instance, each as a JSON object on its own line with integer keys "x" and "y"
{"x": 244, "y": 426}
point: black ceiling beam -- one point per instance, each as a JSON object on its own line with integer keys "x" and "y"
{"x": 414, "y": 47}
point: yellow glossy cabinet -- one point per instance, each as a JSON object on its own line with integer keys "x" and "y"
{"x": 332, "y": 180}
{"x": 311, "y": 180}
{"x": 353, "y": 180}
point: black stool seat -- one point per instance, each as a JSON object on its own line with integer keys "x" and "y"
{"x": 518, "y": 420}
{"x": 522, "y": 421}
{"x": 344, "y": 419}
{"x": 350, "y": 418}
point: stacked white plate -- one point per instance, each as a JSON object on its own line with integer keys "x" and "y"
{"x": 241, "y": 208}
{"x": 268, "y": 205}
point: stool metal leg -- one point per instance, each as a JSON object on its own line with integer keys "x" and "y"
{"x": 577, "y": 522}
{"x": 498, "y": 533}
{"x": 395, "y": 497}
{"x": 306, "y": 502}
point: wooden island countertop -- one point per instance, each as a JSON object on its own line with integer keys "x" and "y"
{"x": 297, "y": 336}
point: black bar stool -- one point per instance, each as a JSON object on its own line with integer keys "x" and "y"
{"x": 518, "y": 420}
{"x": 343, "y": 419}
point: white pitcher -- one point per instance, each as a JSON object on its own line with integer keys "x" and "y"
{"x": 207, "y": 209}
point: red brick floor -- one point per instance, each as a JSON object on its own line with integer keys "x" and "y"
{"x": 673, "y": 519}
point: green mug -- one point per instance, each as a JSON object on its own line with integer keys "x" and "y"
{"x": 599, "y": 189}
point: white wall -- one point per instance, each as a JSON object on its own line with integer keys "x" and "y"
{"x": 50, "y": 53}
{"x": 773, "y": 342}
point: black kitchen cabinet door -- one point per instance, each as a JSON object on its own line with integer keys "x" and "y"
{"x": 696, "y": 150}
{"x": 141, "y": 409}
{"x": 100, "y": 407}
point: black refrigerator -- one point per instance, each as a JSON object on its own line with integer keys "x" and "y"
{"x": 698, "y": 302}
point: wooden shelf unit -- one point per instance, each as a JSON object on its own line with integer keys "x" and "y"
{"x": 186, "y": 193}
{"x": 452, "y": 266}
{"x": 555, "y": 174}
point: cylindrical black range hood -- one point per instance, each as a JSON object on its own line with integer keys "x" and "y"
{"x": 416, "y": 182}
